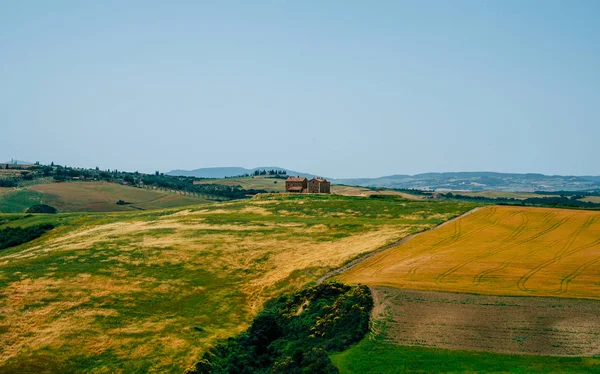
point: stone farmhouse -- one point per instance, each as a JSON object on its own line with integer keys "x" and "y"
{"x": 303, "y": 185}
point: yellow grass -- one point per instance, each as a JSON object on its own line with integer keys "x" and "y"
{"x": 497, "y": 250}
{"x": 150, "y": 291}
{"x": 593, "y": 199}
{"x": 363, "y": 191}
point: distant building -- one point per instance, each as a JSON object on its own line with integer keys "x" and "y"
{"x": 319, "y": 185}
{"x": 296, "y": 185}
{"x": 302, "y": 185}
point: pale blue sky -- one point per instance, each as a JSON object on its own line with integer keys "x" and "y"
{"x": 337, "y": 88}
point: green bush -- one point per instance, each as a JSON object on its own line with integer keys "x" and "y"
{"x": 13, "y": 236}
{"x": 41, "y": 208}
{"x": 294, "y": 333}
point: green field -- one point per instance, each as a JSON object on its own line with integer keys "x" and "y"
{"x": 91, "y": 197}
{"x": 150, "y": 291}
{"x": 373, "y": 355}
{"x": 18, "y": 200}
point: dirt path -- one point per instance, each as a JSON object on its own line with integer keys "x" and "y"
{"x": 357, "y": 261}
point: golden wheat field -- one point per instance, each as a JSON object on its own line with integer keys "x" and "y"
{"x": 497, "y": 250}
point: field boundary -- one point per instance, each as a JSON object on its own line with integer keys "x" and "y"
{"x": 397, "y": 243}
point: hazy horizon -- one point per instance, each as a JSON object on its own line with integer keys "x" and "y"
{"x": 324, "y": 175}
{"x": 340, "y": 89}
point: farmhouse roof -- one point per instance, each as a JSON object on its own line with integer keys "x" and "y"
{"x": 296, "y": 179}
{"x": 319, "y": 179}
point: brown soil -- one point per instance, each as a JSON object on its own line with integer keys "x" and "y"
{"x": 522, "y": 325}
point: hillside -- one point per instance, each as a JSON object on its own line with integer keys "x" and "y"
{"x": 91, "y": 197}
{"x": 497, "y": 250}
{"x": 266, "y": 183}
{"x": 521, "y": 295}
{"x": 457, "y": 181}
{"x": 478, "y": 181}
{"x": 150, "y": 291}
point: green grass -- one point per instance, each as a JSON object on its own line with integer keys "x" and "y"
{"x": 151, "y": 290}
{"x": 375, "y": 356}
{"x": 19, "y": 200}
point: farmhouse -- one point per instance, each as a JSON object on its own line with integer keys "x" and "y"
{"x": 302, "y": 185}
{"x": 319, "y": 185}
{"x": 296, "y": 185}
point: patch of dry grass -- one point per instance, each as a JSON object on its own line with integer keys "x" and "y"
{"x": 151, "y": 291}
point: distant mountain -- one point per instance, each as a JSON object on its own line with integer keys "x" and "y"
{"x": 18, "y": 162}
{"x": 225, "y": 172}
{"x": 455, "y": 181}
{"x": 478, "y": 181}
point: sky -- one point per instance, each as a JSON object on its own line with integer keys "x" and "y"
{"x": 335, "y": 88}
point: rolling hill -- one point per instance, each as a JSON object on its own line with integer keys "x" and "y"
{"x": 451, "y": 181}
{"x": 150, "y": 291}
{"x": 479, "y": 181}
{"x": 91, "y": 197}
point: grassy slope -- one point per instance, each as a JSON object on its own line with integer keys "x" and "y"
{"x": 151, "y": 290}
{"x": 18, "y": 200}
{"x": 363, "y": 191}
{"x": 258, "y": 183}
{"x": 497, "y": 250}
{"x": 372, "y": 355}
{"x": 102, "y": 197}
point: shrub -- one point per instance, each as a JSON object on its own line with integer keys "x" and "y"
{"x": 294, "y": 333}
{"x": 8, "y": 183}
{"x": 41, "y": 208}
{"x": 13, "y": 236}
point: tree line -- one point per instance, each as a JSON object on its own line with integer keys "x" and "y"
{"x": 158, "y": 180}
{"x": 573, "y": 201}
{"x": 256, "y": 173}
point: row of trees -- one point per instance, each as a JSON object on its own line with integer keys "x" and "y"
{"x": 257, "y": 173}
{"x": 573, "y": 201}
{"x": 158, "y": 180}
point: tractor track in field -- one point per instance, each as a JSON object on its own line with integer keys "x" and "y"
{"x": 481, "y": 276}
{"x": 563, "y": 253}
{"x": 456, "y": 235}
{"x": 440, "y": 278}
{"x": 360, "y": 259}
{"x": 454, "y": 238}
